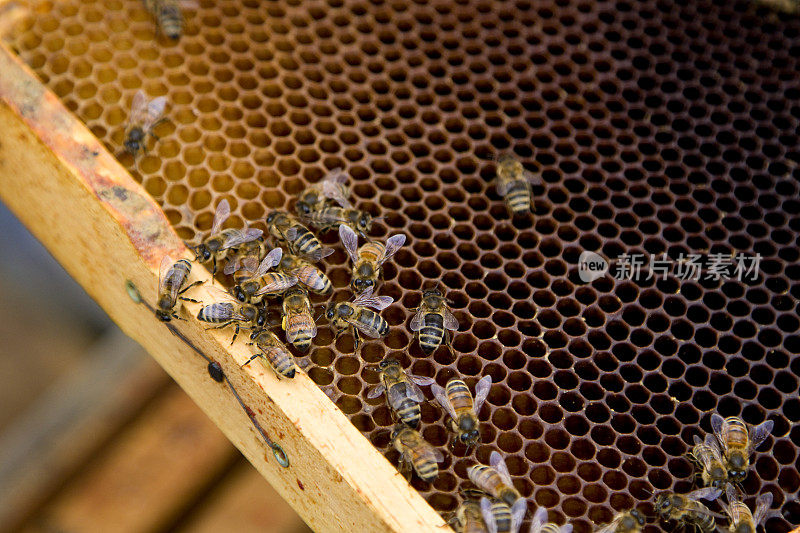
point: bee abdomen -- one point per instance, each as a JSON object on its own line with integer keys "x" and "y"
{"x": 459, "y": 395}
{"x": 426, "y": 469}
{"x": 315, "y": 280}
{"x": 281, "y": 360}
{"x": 431, "y": 334}
{"x": 371, "y": 251}
{"x": 305, "y": 241}
{"x": 216, "y": 313}
{"x": 171, "y": 21}
{"x": 519, "y": 198}
{"x": 409, "y": 412}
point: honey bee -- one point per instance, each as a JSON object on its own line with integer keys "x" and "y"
{"x": 171, "y": 278}
{"x": 402, "y": 391}
{"x": 468, "y": 518}
{"x": 219, "y": 241}
{"x": 368, "y": 259}
{"x": 286, "y": 228}
{"x": 456, "y": 399}
{"x": 416, "y": 452}
{"x": 168, "y": 15}
{"x": 317, "y": 196}
{"x": 246, "y": 259}
{"x": 539, "y": 524}
{"x": 144, "y": 117}
{"x": 298, "y": 319}
{"x": 307, "y": 274}
{"x": 433, "y": 321}
{"x": 738, "y": 442}
{"x": 627, "y": 522}
{"x": 500, "y": 518}
{"x": 513, "y": 183}
{"x": 494, "y": 480}
{"x": 273, "y": 353}
{"x": 230, "y": 311}
{"x": 709, "y": 457}
{"x": 262, "y": 283}
{"x": 356, "y": 318}
{"x": 741, "y": 519}
{"x": 687, "y": 510}
{"x": 332, "y": 217}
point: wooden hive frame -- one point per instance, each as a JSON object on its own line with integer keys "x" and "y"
{"x": 105, "y": 230}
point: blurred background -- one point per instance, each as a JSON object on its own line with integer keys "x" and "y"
{"x": 94, "y": 436}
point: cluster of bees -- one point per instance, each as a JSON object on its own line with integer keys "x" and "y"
{"x": 290, "y": 271}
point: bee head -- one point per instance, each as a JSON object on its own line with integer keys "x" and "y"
{"x": 330, "y": 311}
{"x": 469, "y": 437}
{"x": 239, "y": 294}
{"x": 365, "y": 222}
{"x": 301, "y": 207}
{"x": 719, "y": 477}
{"x": 362, "y": 284}
{"x": 396, "y": 431}
{"x": 638, "y": 516}
{"x": 164, "y": 316}
{"x": 386, "y": 363}
{"x": 663, "y": 503}
{"x": 271, "y": 217}
{"x": 132, "y": 145}
{"x": 737, "y": 475}
{"x": 261, "y": 318}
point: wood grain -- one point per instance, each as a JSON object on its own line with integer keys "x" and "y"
{"x": 104, "y": 229}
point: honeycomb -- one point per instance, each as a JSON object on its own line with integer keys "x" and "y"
{"x": 656, "y": 126}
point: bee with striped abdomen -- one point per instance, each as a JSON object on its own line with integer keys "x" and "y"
{"x": 468, "y": 518}
{"x": 738, "y": 442}
{"x": 356, "y": 318}
{"x": 539, "y": 524}
{"x": 302, "y": 267}
{"x": 273, "y": 352}
{"x": 402, "y": 391}
{"x": 433, "y": 321}
{"x": 319, "y": 195}
{"x": 231, "y": 312}
{"x": 171, "y": 280}
{"x": 262, "y": 283}
{"x": 368, "y": 259}
{"x": 741, "y": 519}
{"x": 494, "y": 480}
{"x": 686, "y": 509}
{"x": 332, "y": 217}
{"x": 287, "y": 229}
{"x": 626, "y": 522}
{"x": 169, "y": 15}
{"x": 298, "y": 318}
{"x": 456, "y": 399}
{"x": 513, "y": 183}
{"x": 219, "y": 242}
{"x": 707, "y": 455}
{"x": 417, "y": 453}
{"x": 145, "y": 116}
{"x": 245, "y": 260}
{"x": 500, "y": 518}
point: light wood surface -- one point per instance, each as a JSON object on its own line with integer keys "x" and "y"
{"x": 104, "y": 229}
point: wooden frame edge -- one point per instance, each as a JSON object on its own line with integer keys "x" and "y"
{"x": 105, "y": 229}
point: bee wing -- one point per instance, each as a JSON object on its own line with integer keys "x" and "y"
{"x": 488, "y": 517}
{"x": 366, "y": 299}
{"x": 482, "y": 389}
{"x": 566, "y": 528}
{"x": 763, "y": 503}
{"x": 706, "y": 493}
{"x": 273, "y": 258}
{"x": 331, "y": 187}
{"x": 414, "y": 392}
{"x": 163, "y": 270}
{"x": 393, "y": 243}
{"x": 759, "y": 433}
{"x": 241, "y": 236}
{"x": 539, "y": 519}
{"x": 231, "y": 266}
{"x": 716, "y": 425}
{"x": 437, "y": 455}
{"x": 712, "y": 443}
{"x": 369, "y": 331}
{"x": 502, "y": 187}
{"x": 610, "y": 528}
{"x": 318, "y": 254}
{"x": 498, "y": 463}
{"x": 138, "y": 108}
{"x": 530, "y": 177}
{"x": 291, "y": 233}
{"x": 450, "y": 321}
{"x": 376, "y": 391}
{"x": 220, "y": 216}
{"x": 221, "y": 294}
{"x": 422, "y": 380}
{"x": 733, "y": 497}
{"x": 155, "y": 109}
{"x": 350, "y": 241}
{"x": 441, "y": 398}
{"x": 288, "y": 281}
{"x": 418, "y": 321}
{"x": 518, "y": 511}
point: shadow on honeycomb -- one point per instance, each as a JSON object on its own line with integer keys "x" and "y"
{"x": 658, "y": 126}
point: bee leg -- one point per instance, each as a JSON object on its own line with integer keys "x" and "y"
{"x": 189, "y": 300}
{"x": 251, "y": 359}
{"x": 196, "y": 283}
{"x": 235, "y": 334}
{"x": 213, "y": 268}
